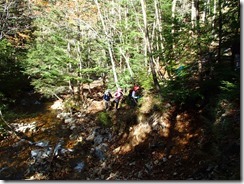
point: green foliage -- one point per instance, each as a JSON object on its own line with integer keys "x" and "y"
{"x": 3, "y": 131}
{"x": 144, "y": 79}
{"x": 125, "y": 80}
{"x": 104, "y": 119}
{"x": 13, "y": 82}
{"x": 71, "y": 104}
{"x": 230, "y": 90}
{"x": 181, "y": 90}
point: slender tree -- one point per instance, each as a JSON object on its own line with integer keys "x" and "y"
{"x": 148, "y": 48}
{"x": 108, "y": 42}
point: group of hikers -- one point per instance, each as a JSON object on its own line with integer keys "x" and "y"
{"x": 118, "y": 96}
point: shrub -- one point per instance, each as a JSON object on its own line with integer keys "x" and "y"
{"x": 104, "y": 119}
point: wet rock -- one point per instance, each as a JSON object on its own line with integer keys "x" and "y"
{"x": 57, "y": 148}
{"x": 65, "y": 151}
{"x": 80, "y": 166}
{"x": 98, "y": 139}
{"x": 34, "y": 153}
{"x": 42, "y": 143}
{"x": 41, "y": 153}
{"x": 69, "y": 120}
{"x": 112, "y": 176}
{"x": 92, "y": 136}
{"x": 99, "y": 153}
{"x": 73, "y": 136}
{"x": 164, "y": 159}
{"x": 149, "y": 166}
{"x": 3, "y": 169}
{"x": 19, "y": 143}
{"x": 140, "y": 174}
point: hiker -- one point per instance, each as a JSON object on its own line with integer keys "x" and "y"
{"x": 134, "y": 95}
{"x": 106, "y": 97}
{"x": 117, "y": 97}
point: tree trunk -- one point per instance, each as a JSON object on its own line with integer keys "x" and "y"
{"x": 108, "y": 44}
{"x": 193, "y": 14}
{"x": 173, "y": 19}
{"x": 220, "y": 31}
{"x": 198, "y": 38}
{"x": 159, "y": 34}
{"x": 214, "y": 14}
{"x": 148, "y": 46}
{"x": 126, "y": 57}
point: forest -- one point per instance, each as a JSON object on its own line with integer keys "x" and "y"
{"x": 180, "y": 57}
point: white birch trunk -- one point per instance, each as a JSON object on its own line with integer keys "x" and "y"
{"x": 108, "y": 44}
{"x": 214, "y": 13}
{"x": 144, "y": 30}
{"x": 149, "y": 46}
{"x": 193, "y": 14}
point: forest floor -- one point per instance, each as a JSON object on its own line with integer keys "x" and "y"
{"x": 140, "y": 143}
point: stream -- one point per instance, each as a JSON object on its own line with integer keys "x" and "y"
{"x": 52, "y": 144}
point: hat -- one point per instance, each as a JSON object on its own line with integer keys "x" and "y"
{"x": 136, "y": 88}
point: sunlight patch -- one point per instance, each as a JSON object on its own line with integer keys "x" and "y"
{"x": 137, "y": 135}
{"x": 58, "y": 105}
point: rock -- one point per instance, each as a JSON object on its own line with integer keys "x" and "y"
{"x": 58, "y": 105}
{"x": 20, "y": 143}
{"x": 42, "y": 143}
{"x": 98, "y": 140}
{"x": 139, "y": 174}
{"x": 99, "y": 153}
{"x": 57, "y": 148}
{"x": 167, "y": 105}
{"x": 64, "y": 115}
{"x": 92, "y": 136}
{"x": 68, "y": 120}
{"x": 164, "y": 159}
{"x": 149, "y": 166}
{"x": 72, "y": 127}
{"x": 35, "y": 153}
{"x": 132, "y": 163}
{"x": 80, "y": 166}
{"x": 156, "y": 162}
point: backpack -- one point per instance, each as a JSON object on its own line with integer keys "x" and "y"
{"x": 118, "y": 95}
{"x": 130, "y": 93}
{"x": 106, "y": 97}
